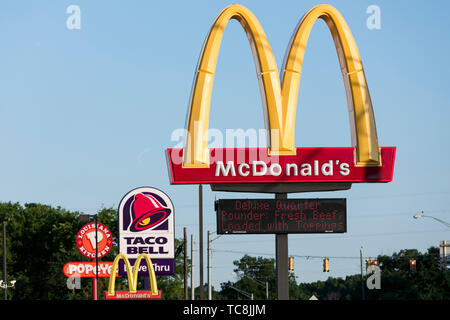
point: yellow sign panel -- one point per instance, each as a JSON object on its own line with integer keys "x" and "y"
{"x": 280, "y": 98}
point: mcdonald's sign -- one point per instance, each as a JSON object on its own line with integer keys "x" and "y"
{"x": 281, "y": 162}
{"x": 132, "y": 274}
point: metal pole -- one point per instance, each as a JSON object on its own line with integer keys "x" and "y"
{"x": 282, "y": 259}
{"x": 5, "y": 290}
{"x": 192, "y": 268}
{"x": 200, "y": 225}
{"x": 267, "y": 290}
{"x": 209, "y": 267}
{"x": 96, "y": 259}
{"x": 444, "y": 245}
{"x": 445, "y": 255}
{"x": 362, "y": 275}
{"x": 185, "y": 265}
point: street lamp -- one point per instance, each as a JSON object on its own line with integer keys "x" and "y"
{"x": 421, "y": 215}
{"x": 247, "y": 294}
{"x": 261, "y": 283}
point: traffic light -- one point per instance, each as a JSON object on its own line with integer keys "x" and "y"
{"x": 375, "y": 262}
{"x": 291, "y": 263}
{"x": 412, "y": 265}
{"x": 326, "y": 265}
{"x": 368, "y": 263}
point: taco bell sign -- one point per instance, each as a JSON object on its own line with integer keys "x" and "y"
{"x": 146, "y": 225}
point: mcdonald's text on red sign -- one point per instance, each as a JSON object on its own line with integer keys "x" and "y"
{"x": 254, "y": 165}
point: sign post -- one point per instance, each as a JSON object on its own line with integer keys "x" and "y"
{"x": 200, "y": 238}
{"x": 132, "y": 274}
{"x": 281, "y": 248}
{"x": 94, "y": 240}
{"x": 146, "y": 226}
{"x": 281, "y": 167}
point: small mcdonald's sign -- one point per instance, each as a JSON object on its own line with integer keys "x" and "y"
{"x": 132, "y": 274}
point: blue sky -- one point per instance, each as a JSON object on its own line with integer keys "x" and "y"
{"x": 85, "y": 115}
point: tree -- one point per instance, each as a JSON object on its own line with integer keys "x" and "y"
{"x": 429, "y": 282}
{"x": 41, "y": 239}
{"x": 248, "y": 269}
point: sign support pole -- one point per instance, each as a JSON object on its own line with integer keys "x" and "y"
{"x": 282, "y": 268}
{"x": 192, "y": 269}
{"x": 185, "y": 264}
{"x": 200, "y": 225}
{"x": 96, "y": 259}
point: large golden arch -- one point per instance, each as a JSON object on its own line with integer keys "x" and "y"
{"x": 132, "y": 275}
{"x": 280, "y": 101}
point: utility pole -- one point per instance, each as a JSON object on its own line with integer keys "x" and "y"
{"x": 362, "y": 275}
{"x": 200, "y": 225}
{"x": 5, "y": 289}
{"x": 192, "y": 269}
{"x": 185, "y": 264}
{"x": 210, "y": 263}
{"x": 209, "y": 266}
{"x": 443, "y": 245}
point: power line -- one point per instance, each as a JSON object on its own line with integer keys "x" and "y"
{"x": 293, "y": 255}
{"x": 187, "y": 205}
{"x": 341, "y": 237}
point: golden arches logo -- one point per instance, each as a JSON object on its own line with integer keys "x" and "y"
{"x": 280, "y": 98}
{"x": 132, "y": 274}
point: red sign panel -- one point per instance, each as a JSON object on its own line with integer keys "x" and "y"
{"x": 254, "y": 165}
{"x": 141, "y": 294}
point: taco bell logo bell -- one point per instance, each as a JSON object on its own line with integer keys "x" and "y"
{"x": 147, "y": 212}
{"x": 146, "y": 225}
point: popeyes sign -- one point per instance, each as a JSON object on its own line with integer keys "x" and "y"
{"x": 282, "y": 161}
{"x": 85, "y": 269}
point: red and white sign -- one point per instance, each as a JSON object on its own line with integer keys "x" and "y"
{"x": 88, "y": 269}
{"x": 254, "y": 165}
{"x": 86, "y": 240}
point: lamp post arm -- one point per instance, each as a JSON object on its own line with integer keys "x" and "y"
{"x": 249, "y": 295}
{"x": 439, "y": 220}
{"x": 261, "y": 283}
